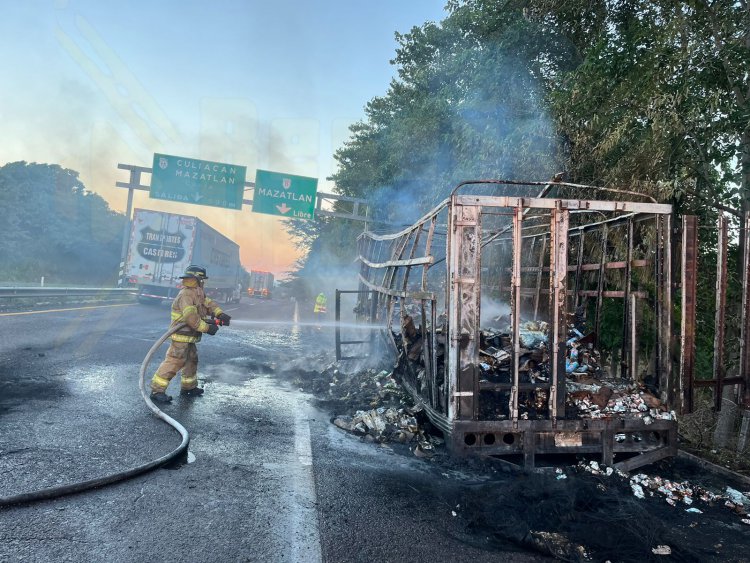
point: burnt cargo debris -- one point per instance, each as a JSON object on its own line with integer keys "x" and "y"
{"x": 529, "y": 326}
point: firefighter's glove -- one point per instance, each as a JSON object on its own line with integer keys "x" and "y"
{"x": 212, "y": 329}
{"x": 224, "y": 318}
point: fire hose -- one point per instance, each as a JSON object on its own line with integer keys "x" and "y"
{"x": 54, "y": 492}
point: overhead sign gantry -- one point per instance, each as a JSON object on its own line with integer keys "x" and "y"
{"x": 203, "y": 182}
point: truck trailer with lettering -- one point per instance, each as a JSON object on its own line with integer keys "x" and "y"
{"x": 261, "y": 284}
{"x": 162, "y": 245}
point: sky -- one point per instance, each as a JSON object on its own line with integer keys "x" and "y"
{"x": 273, "y": 85}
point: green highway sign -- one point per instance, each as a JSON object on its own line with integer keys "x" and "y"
{"x": 200, "y": 182}
{"x": 284, "y": 194}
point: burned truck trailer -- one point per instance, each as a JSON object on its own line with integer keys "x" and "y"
{"x": 515, "y": 320}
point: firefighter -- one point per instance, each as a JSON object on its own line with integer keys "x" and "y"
{"x": 320, "y": 307}
{"x": 191, "y": 306}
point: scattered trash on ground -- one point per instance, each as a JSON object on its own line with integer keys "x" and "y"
{"x": 558, "y": 546}
{"x": 345, "y": 390}
{"x": 674, "y": 493}
{"x": 596, "y": 399}
{"x": 369, "y": 403}
{"x": 390, "y": 425}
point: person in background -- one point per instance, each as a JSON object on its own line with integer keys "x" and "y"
{"x": 320, "y": 308}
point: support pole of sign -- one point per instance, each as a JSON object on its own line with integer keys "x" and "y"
{"x": 249, "y": 187}
{"x": 133, "y": 184}
{"x": 126, "y": 230}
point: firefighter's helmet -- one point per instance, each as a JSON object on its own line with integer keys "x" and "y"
{"x": 195, "y": 272}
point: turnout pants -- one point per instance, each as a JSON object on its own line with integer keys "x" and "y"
{"x": 180, "y": 356}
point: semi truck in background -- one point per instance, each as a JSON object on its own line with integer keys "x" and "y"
{"x": 261, "y": 284}
{"x": 162, "y": 245}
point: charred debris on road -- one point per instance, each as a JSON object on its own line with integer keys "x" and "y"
{"x": 561, "y": 512}
{"x": 366, "y": 402}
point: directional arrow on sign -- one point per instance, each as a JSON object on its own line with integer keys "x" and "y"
{"x": 283, "y": 208}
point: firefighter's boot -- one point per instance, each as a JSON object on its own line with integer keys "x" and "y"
{"x": 162, "y": 398}
{"x": 194, "y": 392}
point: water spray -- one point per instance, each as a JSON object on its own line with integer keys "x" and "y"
{"x": 313, "y": 324}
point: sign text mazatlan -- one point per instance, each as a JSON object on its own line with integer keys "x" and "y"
{"x": 201, "y": 182}
{"x": 284, "y": 195}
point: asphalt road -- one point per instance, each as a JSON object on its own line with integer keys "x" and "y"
{"x": 271, "y": 480}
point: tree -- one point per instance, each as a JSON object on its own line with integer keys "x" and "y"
{"x": 660, "y": 96}
{"x": 56, "y": 228}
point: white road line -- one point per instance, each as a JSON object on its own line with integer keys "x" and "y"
{"x": 305, "y": 535}
{"x": 63, "y": 310}
{"x": 302, "y": 444}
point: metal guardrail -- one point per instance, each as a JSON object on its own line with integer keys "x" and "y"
{"x": 17, "y": 292}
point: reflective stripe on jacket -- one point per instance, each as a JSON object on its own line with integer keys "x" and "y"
{"x": 320, "y": 304}
{"x": 191, "y": 306}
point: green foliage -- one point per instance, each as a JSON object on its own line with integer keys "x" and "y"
{"x": 55, "y": 228}
{"x": 329, "y": 263}
{"x": 659, "y": 100}
{"x": 659, "y": 103}
{"x": 652, "y": 95}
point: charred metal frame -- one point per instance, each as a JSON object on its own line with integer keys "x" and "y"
{"x": 721, "y": 304}
{"x": 339, "y": 343}
{"x": 689, "y": 287}
{"x": 689, "y": 269}
{"x": 744, "y": 375}
{"x": 450, "y": 392}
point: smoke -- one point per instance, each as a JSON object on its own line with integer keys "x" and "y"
{"x": 324, "y": 271}
{"x": 479, "y": 112}
{"x": 395, "y": 206}
{"x": 377, "y": 362}
{"x": 491, "y": 309}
